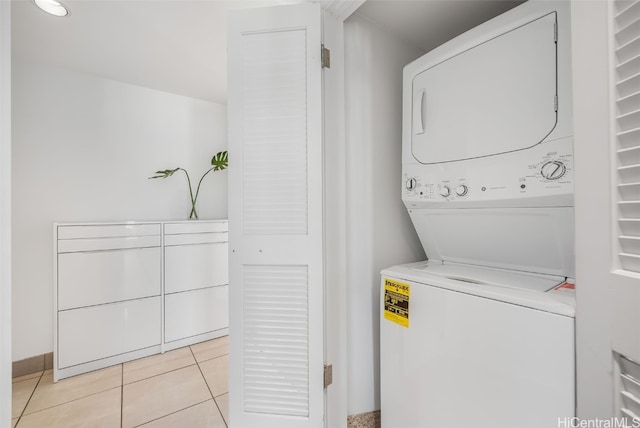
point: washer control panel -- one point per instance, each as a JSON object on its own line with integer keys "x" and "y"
{"x": 535, "y": 172}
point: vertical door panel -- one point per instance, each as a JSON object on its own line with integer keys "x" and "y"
{"x": 275, "y": 211}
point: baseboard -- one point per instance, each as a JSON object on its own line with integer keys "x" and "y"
{"x": 32, "y": 365}
{"x": 364, "y": 420}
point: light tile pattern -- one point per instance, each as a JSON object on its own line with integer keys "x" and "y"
{"x": 211, "y": 349}
{"x": 201, "y": 415}
{"x": 157, "y": 364}
{"x": 97, "y": 410}
{"x": 215, "y": 372}
{"x": 49, "y": 394}
{"x": 161, "y": 395}
{"x": 186, "y": 387}
{"x": 26, "y": 377}
{"x": 223, "y": 404}
{"x": 21, "y": 393}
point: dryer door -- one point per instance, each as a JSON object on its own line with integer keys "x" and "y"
{"x": 496, "y": 97}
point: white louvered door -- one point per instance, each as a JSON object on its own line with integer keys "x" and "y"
{"x": 275, "y": 217}
{"x": 625, "y": 143}
{"x": 627, "y": 98}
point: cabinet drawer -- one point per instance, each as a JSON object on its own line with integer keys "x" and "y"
{"x": 93, "y": 278}
{"x": 196, "y": 312}
{"x": 101, "y": 244}
{"x": 196, "y": 238}
{"x": 107, "y": 230}
{"x": 89, "y": 334}
{"x": 196, "y": 227}
{"x": 189, "y": 267}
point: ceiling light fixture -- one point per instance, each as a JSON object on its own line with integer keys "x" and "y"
{"x": 53, "y": 7}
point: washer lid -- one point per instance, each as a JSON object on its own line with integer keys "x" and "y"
{"x": 488, "y": 276}
{"x": 532, "y": 291}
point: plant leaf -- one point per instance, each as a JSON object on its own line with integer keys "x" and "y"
{"x": 220, "y": 161}
{"x": 165, "y": 173}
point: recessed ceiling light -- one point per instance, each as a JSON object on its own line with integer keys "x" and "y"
{"x": 53, "y": 7}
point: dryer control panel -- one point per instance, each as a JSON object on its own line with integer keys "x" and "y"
{"x": 539, "y": 176}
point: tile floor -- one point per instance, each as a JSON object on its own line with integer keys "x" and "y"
{"x": 186, "y": 387}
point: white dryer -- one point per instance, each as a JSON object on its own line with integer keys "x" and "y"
{"x": 479, "y": 336}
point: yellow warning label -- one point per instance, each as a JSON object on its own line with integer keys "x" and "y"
{"x": 396, "y": 301}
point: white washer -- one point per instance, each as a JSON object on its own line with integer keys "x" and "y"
{"x": 484, "y": 347}
{"x": 487, "y": 152}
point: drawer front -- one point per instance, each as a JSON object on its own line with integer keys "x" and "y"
{"x": 196, "y": 312}
{"x": 189, "y": 267}
{"x": 196, "y": 238}
{"x": 89, "y": 334}
{"x": 93, "y": 278}
{"x": 101, "y": 244}
{"x": 107, "y": 230}
{"x": 196, "y": 227}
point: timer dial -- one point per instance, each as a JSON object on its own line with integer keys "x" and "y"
{"x": 553, "y": 170}
{"x": 411, "y": 184}
{"x": 444, "y": 191}
{"x": 462, "y": 190}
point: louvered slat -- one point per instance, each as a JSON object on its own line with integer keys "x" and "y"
{"x": 627, "y": 14}
{"x": 629, "y": 389}
{"x": 276, "y": 354}
{"x": 630, "y": 227}
{"x": 627, "y": 85}
{"x": 629, "y": 156}
{"x": 628, "y": 103}
{"x": 275, "y": 134}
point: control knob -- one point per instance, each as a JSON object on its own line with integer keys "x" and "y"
{"x": 462, "y": 190}
{"x": 411, "y": 184}
{"x": 553, "y": 170}
{"x": 444, "y": 191}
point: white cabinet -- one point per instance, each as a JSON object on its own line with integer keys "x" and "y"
{"x": 108, "y": 306}
{"x": 96, "y": 277}
{"x": 208, "y": 314}
{"x": 103, "y": 331}
{"x": 124, "y": 291}
{"x": 196, "y": 277}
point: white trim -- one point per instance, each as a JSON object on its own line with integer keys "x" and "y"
{"x": 5, "y": 214}
{"x": 341, "y": 9}
{"x": 335, "y": 219}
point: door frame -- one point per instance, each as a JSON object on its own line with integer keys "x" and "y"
{"x": 334, "y": 13}
{"x": 5, "y": 214}
{"x": 336, "y": 338}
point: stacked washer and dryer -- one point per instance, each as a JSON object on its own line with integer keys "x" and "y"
{"x": 482, "y": 333}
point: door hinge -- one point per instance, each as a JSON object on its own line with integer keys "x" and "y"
{"x": 555, "y": 32}
{"x": 328, "y": 375}
{"x": 555, "y": 103}
{"x": 326, "y": 57}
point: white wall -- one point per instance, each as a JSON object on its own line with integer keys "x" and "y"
{"x": 5, "y": 213}
{"x": 83, "y": 147}
{"x": 379, "y": 232}
{"x": 594, "y": 281}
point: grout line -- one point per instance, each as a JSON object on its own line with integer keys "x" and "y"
{"x": 70, "y": 401}
{"x": 30, "y": 397}
{"x": 172, "y": 413}
{"x": 220, "y": 410}
{"x": 208, "y": 387}
{"x": 122, "y": 395}
{"x": 202, "y": 374}
{"x": 212, "y": 358}
{"x": 159, "y": 374}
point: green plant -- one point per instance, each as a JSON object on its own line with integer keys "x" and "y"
{"x": 219, "y": 162}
